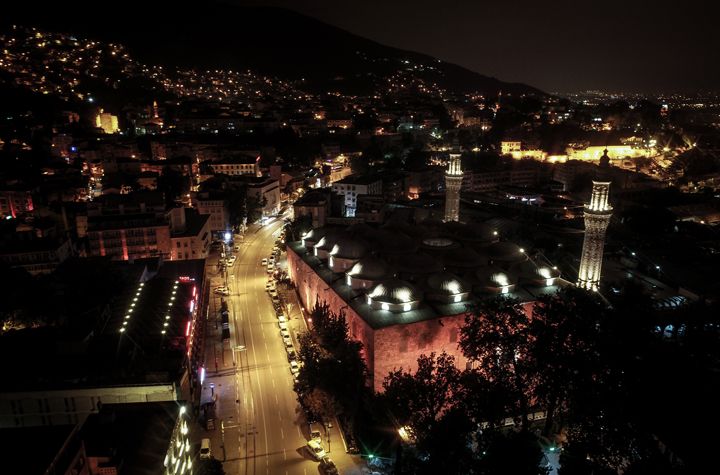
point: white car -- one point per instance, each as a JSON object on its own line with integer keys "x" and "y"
{"x": 270, "y": 269}
{"x": 315, "y": 449}
{"x": 285, "y": 333}
{"x": 264, "y": 261}
{"x": 282, "y": 319}
{"x": 222, "y": 291}
{"x": 283, "y": 326}
{"x": 294, "y": 367}
{"x": 288, "y": 341}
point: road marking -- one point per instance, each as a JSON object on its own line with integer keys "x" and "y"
{"x": 282, "y": 435}
{"x": 273, "y": 382}
{"x": 276, "y": 401}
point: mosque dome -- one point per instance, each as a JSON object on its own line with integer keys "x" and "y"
{"x": 394, "y": 295}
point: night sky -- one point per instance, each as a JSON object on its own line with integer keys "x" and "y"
{"x": 556, "y": 45}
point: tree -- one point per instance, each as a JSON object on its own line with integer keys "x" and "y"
{"x": 564, "y": 328}
{"x": 496, "y": 337}
{"x": 332, "y": 361}
{"x": 320, "y": 403}
{"x": 420, "y": 399}
{"x": 426, "y": 402}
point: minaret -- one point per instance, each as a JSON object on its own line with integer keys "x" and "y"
{"x": 597, "y": 218}
{"x": 453, "y": 182}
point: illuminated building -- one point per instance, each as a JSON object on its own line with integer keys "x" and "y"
{"x": 238, "y": 165}
{"x": 107, "y": 122}
{"x": 143, "y": 348}
{"x": 597, "y": 218}
{"x": 453, "y": 182}
{"x": 405, "y": 289}
{"x": 353, "y": 186}
{"x": 189, "y": 234}
{"x": 150, "y": 437}
{"x": 615, "y": 152}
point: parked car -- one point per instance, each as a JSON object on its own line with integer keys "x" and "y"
{"x": 291, "y": 353}
{"x": 282, "y": 318}
{"x": 288, "y": 341}
{"x": 327, "y": 466}
{"x": 264, "y": 261}
{"x": 270, "y": 269}
{"x": 294, "y": 367}
{"x": 237, "y": 247}
{"x": 285, "y": 333}
{"x": 283, "y": 326}
{"x": 315, "y": 433}
{"x": 315, "y": 449}
{"x": 205, "y": 452}
{"x": 222, "y": 290}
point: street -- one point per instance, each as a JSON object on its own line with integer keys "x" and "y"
{"x": 259, "y": 425}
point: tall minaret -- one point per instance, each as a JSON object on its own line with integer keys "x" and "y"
{"x": 453, "y": 182}
{"x": 597, "y": 218}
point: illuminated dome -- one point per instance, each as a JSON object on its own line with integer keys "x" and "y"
{"x": 496, "y": 280}
{"x": 325, "y": 245}
{"x": 348, "y": 248}
{"x": 312, "y": 237}
{"x": 345, "y": 253}
{"x": 447, "y": 288}
{"x": 366, "y": 272}
{"x": 506, "y": 252}
{"x": 394, "y": 295}
{"x": 541, "y": 275}
{"x": 370, "y": 268}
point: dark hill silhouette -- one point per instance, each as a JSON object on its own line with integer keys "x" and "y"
{"x": 271, "y": 41}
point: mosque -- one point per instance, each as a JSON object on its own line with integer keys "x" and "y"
{"x": 405, "y": 289}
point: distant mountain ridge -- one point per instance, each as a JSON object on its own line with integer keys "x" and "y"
{"x": 271, "y": 41}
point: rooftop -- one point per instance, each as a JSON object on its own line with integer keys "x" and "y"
{"x": 135, "y": 437}
{"x": 404, "y": 273}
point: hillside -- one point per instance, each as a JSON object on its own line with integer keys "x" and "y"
{"x": 270, "y": 41}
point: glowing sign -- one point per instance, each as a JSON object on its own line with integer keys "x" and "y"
{"x": 187, "y": 329}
